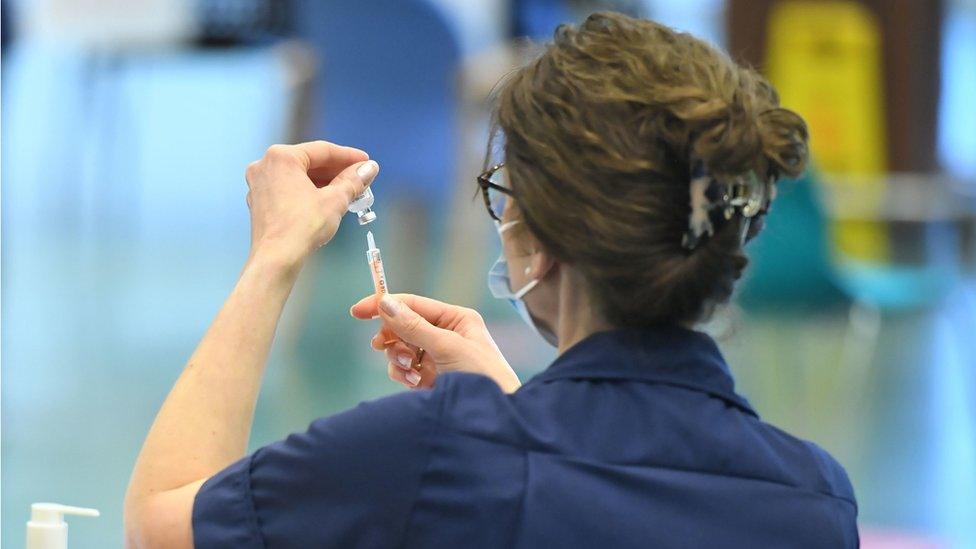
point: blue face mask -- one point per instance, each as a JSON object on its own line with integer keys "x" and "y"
{"x": 500, "y": 286}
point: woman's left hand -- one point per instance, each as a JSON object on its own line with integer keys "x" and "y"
{"x": 453, "y": 339}
{"x": 299, "y": 193}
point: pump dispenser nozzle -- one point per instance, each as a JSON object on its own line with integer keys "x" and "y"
{"x": 47, "y": 528}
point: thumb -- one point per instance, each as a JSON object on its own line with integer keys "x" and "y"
{"x": 350, "y": 183}
{"x": 413, "y": 328}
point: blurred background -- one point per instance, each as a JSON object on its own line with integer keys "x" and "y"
{"x": 127, "y": 125}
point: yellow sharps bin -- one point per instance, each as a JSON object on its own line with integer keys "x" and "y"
{"x": 825, "y": 58}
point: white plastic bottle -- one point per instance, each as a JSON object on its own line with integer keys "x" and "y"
{"x": 362, "y": 206}
{"x": 47, "y": 529}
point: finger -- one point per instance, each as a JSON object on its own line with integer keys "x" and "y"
{"x": 350, "y": 183}
{"x": 323, "y": 176}
{"x": 366, "y": 308}
{"x": 427, "y": 376}
{"x": 251, "y": 171}
{"x": 323, "y": 156}
{"x": 413, "y": 328}
{"x": 320, "y": 160}
{"x": 396, "y": 374}
{"x": 436, "y": 312}
{"x": 411, "y": 379}
{"x": 401, "y": 355}
{"x": 383, "y": 339}
{"x": 388, "y": 336}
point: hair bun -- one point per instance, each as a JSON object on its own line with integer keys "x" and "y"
{"x": 601, "y": 131}
{"x": 784, "y": 140}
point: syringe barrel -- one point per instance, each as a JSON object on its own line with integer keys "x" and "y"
{"x": 375, "y": 262}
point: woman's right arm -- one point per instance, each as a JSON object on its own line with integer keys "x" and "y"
{"x": 454, "y": 339}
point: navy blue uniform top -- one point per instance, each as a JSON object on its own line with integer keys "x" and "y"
{"x": 631, "y": 438}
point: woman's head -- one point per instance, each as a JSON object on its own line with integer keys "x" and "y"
{"x": 600, "y": 134}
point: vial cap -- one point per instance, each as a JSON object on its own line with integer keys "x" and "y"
{"x": 366, "y": 216}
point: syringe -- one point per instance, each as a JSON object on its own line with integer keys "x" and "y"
{"x": 379, "y": 276}
{"x": 375, "y": 262}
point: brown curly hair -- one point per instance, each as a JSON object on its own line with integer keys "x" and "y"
{"x": 600, "y": 131}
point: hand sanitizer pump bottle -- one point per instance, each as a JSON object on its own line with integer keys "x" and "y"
{"x": 47, "y": 528}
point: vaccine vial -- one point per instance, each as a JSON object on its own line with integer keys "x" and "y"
{"x": 362, "y": 206}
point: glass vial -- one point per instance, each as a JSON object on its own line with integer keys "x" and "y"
{"x": 362, "y": 206}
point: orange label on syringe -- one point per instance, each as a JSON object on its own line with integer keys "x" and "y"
{"x": 375, "y": 262}
{"x": 376, "y": 268}
{"x": 375, "y": 265}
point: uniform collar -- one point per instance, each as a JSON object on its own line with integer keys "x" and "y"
{"x": 669, "y": 355}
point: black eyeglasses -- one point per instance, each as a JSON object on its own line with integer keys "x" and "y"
{"x": 494, "y": 191}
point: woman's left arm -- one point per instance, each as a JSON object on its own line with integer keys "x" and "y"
{"x": 298, "y": 194}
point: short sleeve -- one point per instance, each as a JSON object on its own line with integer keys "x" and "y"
{"x": 350, "y": 480}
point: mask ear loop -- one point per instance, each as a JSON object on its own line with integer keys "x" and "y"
{"x": 525, "y": 289}
{"x": 502, "y": 227}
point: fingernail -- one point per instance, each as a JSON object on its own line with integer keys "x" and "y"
{"x": 389, "y": 305}
{"x": 413, "y": 378}
{"x": 367, "y": 170}
{"x": 404, "y": 361}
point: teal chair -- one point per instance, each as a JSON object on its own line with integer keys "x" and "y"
{"x": 790, "y": 260}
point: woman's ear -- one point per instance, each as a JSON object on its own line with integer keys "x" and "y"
{"x": 540, "y": 264}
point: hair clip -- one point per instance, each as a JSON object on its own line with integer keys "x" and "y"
{"x": 699, "y": 221}
{"x": 745, "y": 194}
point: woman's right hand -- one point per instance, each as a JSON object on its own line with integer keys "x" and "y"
{"x": 297, "y": 195}
{"x": 453, "y": 338}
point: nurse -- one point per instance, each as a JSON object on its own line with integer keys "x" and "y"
{"x": 637, "y": 162}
